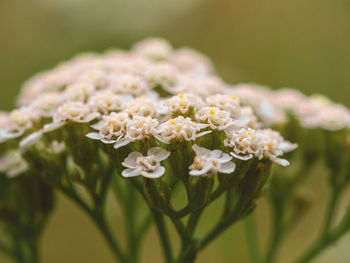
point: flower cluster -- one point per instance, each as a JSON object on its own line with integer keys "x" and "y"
{"x": 160, "y": 117}
{"x": 155, "y": 95}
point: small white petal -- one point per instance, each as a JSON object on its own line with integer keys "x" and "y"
{"x": 244, "y": 158}
{"x": 159, "y": 153}
{"x": 203, "y": 171}
{"x": 130, "y": 161}
{"x": 121, "y": 142}
{"x": 108, "y": 141}
{"x": 160, "y": 138}
{"x": 131, "y": 172}
{"x": 282, "y": 162}
{"x": 158, "y": 172}
{"x": 93, "y": 135}
{"x": 203, "y": 133}
{"x": 220, "y": 156}
{"x": 227, "y": 168}
{"x": 30, "y": 139}
{"x": 53, "y": 126}
{"x": 200, "y": 150}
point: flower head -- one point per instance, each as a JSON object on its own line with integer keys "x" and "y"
{"x": 209, "y": 162}
{"x": 148, "y": 166}
{"x": 106, "y": 101}
{"x": 179, "y": 129}
{"x": 129, "y": 84}
{"x": 183, "y": 103}
{"x": 216, "y": 118}
{"x": 110, "y": 128}
{"x": 12, "y": 164}
{"x": 154, "y": 49}
{"x": 75, "y": 112}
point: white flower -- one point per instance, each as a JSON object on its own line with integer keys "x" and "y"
{"x": 12, "y": 164}
{"x": 4, "y": 119}
{"x": 18, "y": 122}
{"x": 163, "y": 75}
{"x": 128, "y": 84}
{"x": 142, "y": 106}
{"x": 243, "y": 141}
{"x": 46, "y": 104}
{"x": 96, "y": 77}
{"x": 137, "y": 129}
{"x": 79, "y": 91}
{"x": 228, "y": 103}
{"x": 334, "y": 117}
{"x": 273, "y": 145}
{"x": 188, "y": 60}
{"x": 154, "y": 48}
{"x": 216, "y": 118}
{"x": 74, "y": 111}
{"x": 110, "y": 128}
{"x": 247, "y": 118}
{"x": 209, "y": 162}
{"x": 203, "y": 86}
{"x": 266, "y": 143}
{"x": 183, "y": 103}
{"x": 148, "y": 166}
{"x": 180, "y": 128}
{"x": 106, "y": 101}
{"x": 288, "y": 99}
{"x": 262, "y": 101}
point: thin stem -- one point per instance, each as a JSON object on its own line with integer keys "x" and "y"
{"x": 277, "y": 235}
{"x": 160, "y": 225}
{"x": 330, "y": 213}
{"x": 144, "y": 226}
{"x": 98, "y": 218}
{"x": 327, "y": 236}
{"x": 193, "y": 221}
{"x": 252, "y": 239}
{"x": 102, "y": 225}
{"x": 163, "y": 235}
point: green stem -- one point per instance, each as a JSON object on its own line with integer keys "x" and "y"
{"x": 163, "y": 235}
{"x": 129, "y": 212}
{"x": 327, "y": 236}
{"x": 330, "y": 213}
{"x": 252, "y": 239}
{"x": 98, "y": 218}
{"x": 102, "y": 225}
{"x": 160, "y": 225}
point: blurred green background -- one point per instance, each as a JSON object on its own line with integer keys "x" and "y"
{"x": 279, "y": 43}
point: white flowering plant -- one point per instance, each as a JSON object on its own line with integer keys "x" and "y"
{"x": 154, "y": 123}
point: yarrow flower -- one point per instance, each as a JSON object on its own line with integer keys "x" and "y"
{"x": 216, "y": 118}
{"x": 128, "y": 84}
{"x": 110, "y": 128}
{"x": 148, "y": 166}
{"x": 183, "y": 103}
{"x": 12, "y": 164}
{"x": 228, "y": 103}
{"x": 18, "y": 122}
{"x": 106, "y": 101}
{"x": 179, "y": 129}
{"x": 138, "y": 128}
{"x": 142, "y": 106}
{"x": 208, "y": 162}
{"x": 266, "y": 143}
{"x": 163, "y": 114}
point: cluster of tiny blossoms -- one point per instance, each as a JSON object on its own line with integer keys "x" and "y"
{"x": 276, "y": 107}
{"x": 152, "y": 94}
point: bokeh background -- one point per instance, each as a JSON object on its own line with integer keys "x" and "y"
{"x": 279, "y": 43}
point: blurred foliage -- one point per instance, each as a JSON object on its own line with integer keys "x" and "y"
{"x": 294, "y": 43}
